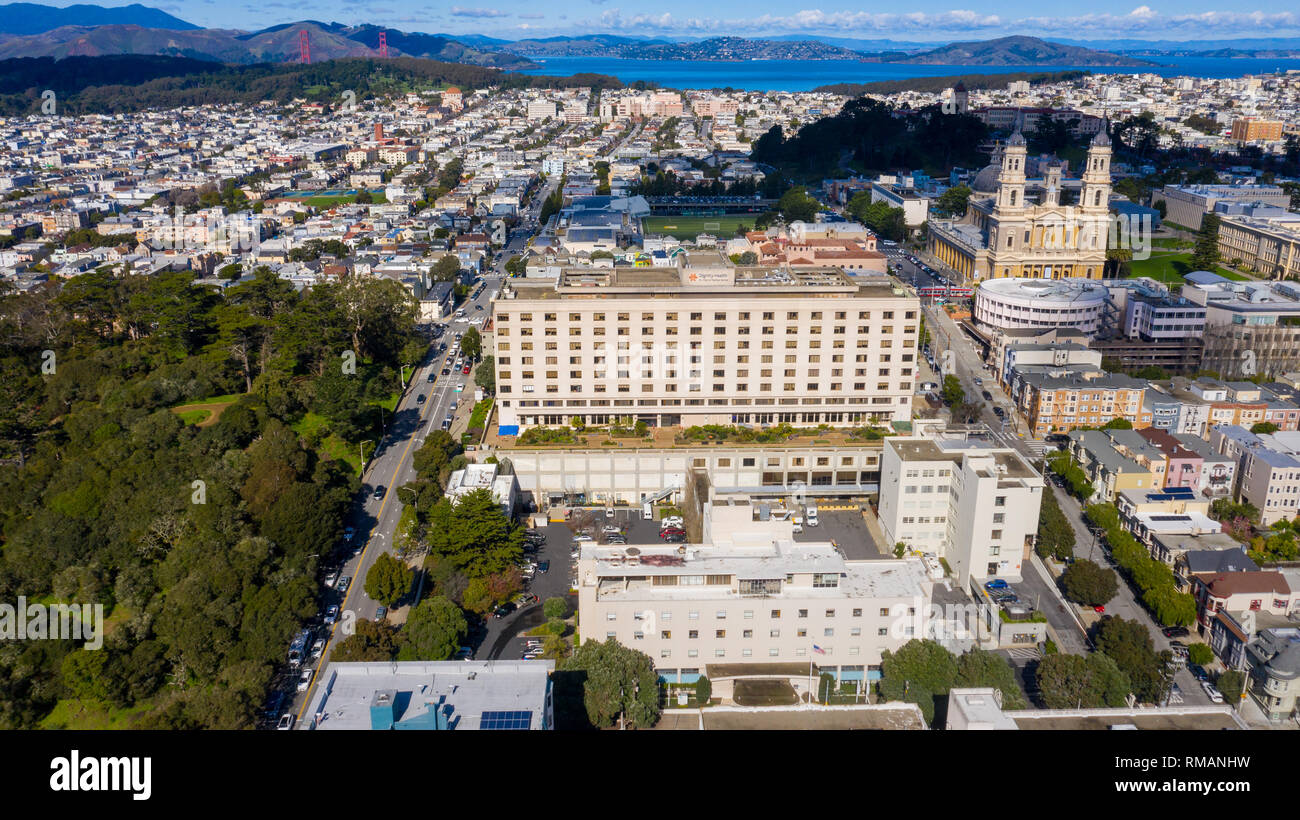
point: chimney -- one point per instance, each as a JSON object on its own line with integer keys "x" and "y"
{"x": 379, "y": 132}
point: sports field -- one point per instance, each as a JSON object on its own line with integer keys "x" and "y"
{"x": 688, "y": 227}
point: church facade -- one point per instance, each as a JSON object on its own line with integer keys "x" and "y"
{"x": 1016, "y": 227}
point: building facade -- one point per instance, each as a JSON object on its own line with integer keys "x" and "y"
{"x": 705, "y": 343}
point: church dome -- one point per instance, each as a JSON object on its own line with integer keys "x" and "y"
{"x": 986, "y": 181}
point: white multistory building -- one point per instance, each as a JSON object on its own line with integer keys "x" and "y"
{"x": 961, "y": 497}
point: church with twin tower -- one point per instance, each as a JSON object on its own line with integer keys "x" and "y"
{"x": 1015, "y": 226}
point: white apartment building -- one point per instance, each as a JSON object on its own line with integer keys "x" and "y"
{"x": 754, "y": 596}
{"x": 705, "y": 342}
{"x": 961, "y": 498}
{"x": 539, "y": 110}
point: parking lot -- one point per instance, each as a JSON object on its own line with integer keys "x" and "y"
{"x": 848, "y": 531}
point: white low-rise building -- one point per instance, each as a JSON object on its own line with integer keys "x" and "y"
{"x": 751, "y": 595}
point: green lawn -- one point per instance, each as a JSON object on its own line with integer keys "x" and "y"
{"x": 194, "y": 416}
{"x": 337, "y": 199}
{"x": 79, "y": 714}
{"x": 479, "y": 417}
{"x": 688, "y": 227}
{"x": 229, "y": 398}
{"x": 310, "y": 427}
{"x": 1170, "y": 268}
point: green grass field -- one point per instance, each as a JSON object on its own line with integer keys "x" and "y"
{"x": 79, "y": 714}
{"x": 1170, "y": 268}
{"x": 688, "y": 227}
{"x": 310, "y": 427}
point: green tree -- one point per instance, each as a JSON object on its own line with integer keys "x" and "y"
{"x": 1087, "y": 583}
{"x": 474, "y": 534}
{"x": 388, "y": 579}
{"x": 1077, "y": 681}
{"x": 1205, "y": 254}
{"x": 1128, "y": 643}
{"x": 616, "y": 681}
{"x": 1200, "y": 654}
{"x": 471, "y": 344}
{"x": 1260, "y": 428}
{"x": 703, "y": 689}
{"x": 373, "y": 641}
{"x": 1055, "y": 534}
{"x": 434, "y": 631}
{"x": 918, "y": 672}
{"x": 555, "y": 608}
{"x": 796, "y": 206}
{"x": 1231, "y": 684}
{"x": 952, "y": 392}
{"x": 485, "y": 375}
{"x": 952, "y": 202}
{"x": 979, "y": 668}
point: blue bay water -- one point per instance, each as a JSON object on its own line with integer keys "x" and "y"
{"x": 804, "y": 75}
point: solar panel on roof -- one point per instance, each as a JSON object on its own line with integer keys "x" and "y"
{"x": 506, "y": 720}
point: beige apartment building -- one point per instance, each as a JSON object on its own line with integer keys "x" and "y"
{"x": 705, "y": 342}
{"x": 752, "y": 596}
{"x": 1252, "y": 129}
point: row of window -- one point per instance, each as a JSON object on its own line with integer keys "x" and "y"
{"x": 697, "y": 316}
{"x": 822, "y": 580}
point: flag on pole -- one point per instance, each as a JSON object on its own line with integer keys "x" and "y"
{"x": 817, "y": 649}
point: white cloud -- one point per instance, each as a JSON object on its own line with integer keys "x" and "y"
{"x": 460, "y": 11}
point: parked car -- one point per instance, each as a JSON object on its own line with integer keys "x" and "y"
{"x": 332, "y": 579}
{"x": 304, "y": 680}
{"x": 286, "y": 723}
{"x": 348, "y": 533}
{"x": 611, "y": 529}
{"x": 1176, "y": 632}
{"x": 582, "y": 536}
{"x": 344, "y": 583}
{"x": 503, "y": 610}
{"x": 667, "y": 531}
{"x": 465, "y": 654}
{"x": 1215, "y": 695}
{"x": 996, "y": 583}
{"x": 331, "y": 614}
{"x": 675, "y": 539}
{"x": 1198, "y": 672}
{"x": 381, "y": 613}
{"x": 1099, "y": 609}
{"x": 542, "y": 567}
{"x": 318, "y": 648}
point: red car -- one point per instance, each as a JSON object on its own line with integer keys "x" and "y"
{"x": 671, "y": 531}
{"x": 1099, "y": 608}
{"x": 465, "y": 370}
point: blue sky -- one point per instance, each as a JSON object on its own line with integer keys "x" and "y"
{"x": 923, "y": 20}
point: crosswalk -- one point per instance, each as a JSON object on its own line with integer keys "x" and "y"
{"x": 1037, "y": 446}
{"x": 1029, "y": 653}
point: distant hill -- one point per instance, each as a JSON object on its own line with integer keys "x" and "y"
{"x": 1017, "y": 50}
{"x": 129, "y": 82}
{"x": 721, "y": 49}
{"x": 34, "y": 18}
{"x": 328, "y": 41}
{"x": 973, "y": 82}
{"x": 588, "y": 45}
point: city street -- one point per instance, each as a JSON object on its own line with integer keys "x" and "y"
{"x": 390, "y": 466}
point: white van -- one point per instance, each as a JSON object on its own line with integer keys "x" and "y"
{"x": 797, "y": 525}
{"x": 812, "y": 517}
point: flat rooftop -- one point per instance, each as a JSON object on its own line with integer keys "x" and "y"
{"x": 1160, "y": 719}
{"x": 472, "y": 694}
{"x": 712, "y": 281}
